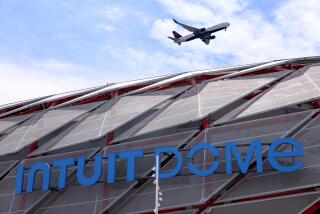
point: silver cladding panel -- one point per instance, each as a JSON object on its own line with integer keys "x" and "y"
{"x": 94, "y": 199}
{"x": 309, "y": 175}
{"x": 9, "y": 122}
{"x": 206, "y": 98}
{"x": 190, "y": 189}
{"x": 298, "y": 87}
{"x": 287, "y": 204}
{"x": 40, "y": 125}
{"x": 112, "y": 115}
{"x": 86, "y": 130}
{"x": 114, "y": 87}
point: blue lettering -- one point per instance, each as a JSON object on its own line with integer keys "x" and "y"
{"x": 131, "y": 160}
{"x": 232, "y": 155}
{"x": 214, "y": 166}
{"x": 45, "y": 169}
{"x": 20, "y": 178}
{"x": 273, "y": 154}
{"x": 63, "y": 166}
{"x": 231, "y": 147}
{"x": 111, "y": 168}
{"x": 82, "y": 179}
{"x": 175, "y": 171}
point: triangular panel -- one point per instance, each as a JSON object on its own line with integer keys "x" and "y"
{"x": 8, "y": 122}
{"x": 301, "y": 86}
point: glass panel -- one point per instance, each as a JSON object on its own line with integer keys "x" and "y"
{"x": 113, "y": 114}
{"x": 288, "y": 204}
{"x": 205, "y": 98}
{"x": 285, "y": 92}
{"x": 40, "y": 125}
{"x": 188, "y": 189}
{"x": 258, "y": 184}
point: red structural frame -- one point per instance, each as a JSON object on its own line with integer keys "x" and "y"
{"x": 109, "y": 95}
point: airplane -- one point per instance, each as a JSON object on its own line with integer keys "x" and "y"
{"x": 202, "y": 33}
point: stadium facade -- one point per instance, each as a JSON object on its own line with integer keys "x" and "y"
{"x": 264, "y": 101}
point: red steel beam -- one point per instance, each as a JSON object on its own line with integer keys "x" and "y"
{"x": 315, "y": 208}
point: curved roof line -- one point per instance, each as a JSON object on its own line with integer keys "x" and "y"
{"x": 244, "y": 69}
{"x": 110, "y": 88}
{"x": 50, "y": 99}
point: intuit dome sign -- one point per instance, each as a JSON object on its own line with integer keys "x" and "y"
{"x": 231, "y": 154}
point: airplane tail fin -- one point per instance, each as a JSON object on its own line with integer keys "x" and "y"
{"x": 175, "y": 40}
{"x": 176, "y": 35}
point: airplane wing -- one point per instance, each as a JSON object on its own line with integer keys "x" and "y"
{"x": 187, "y": 27}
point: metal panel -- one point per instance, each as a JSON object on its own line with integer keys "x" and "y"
{"x": 40, "y": 125}
{"x": 112, "y": 115}
{"x": 114, "y": 87}
{"x": 206, "y": 98}
{"x": 188, "y": 189}
{"x": 266, "y": 65}
{"x": 51, "y": 99}
{"x": 272, "y": 182}
{"x": 4, "y": 166}
{"x": 69, "y": 94}
{"x": 102, "y": 195}
{"x": 18, "y": 104}
{"x": 287, "y": 204}
{"x": 8, "y": 122}
{"x": 301, "y": 86}
{"x": 191, "y": 74}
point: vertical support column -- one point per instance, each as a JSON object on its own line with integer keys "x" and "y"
{"x": 54, "y": 103}
{"x": 32, "y": 147}
{"x": 316, "y": 104}
{"x": 110, "y": 138}
{"x": 205, "y": 123}
{"x": 115, "y": 93}
{"x": 192, "y": 81}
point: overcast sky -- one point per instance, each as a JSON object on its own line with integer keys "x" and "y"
{"x": 49, "y": 46}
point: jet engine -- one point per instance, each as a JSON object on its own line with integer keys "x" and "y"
{"x": 212, "y": 37}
